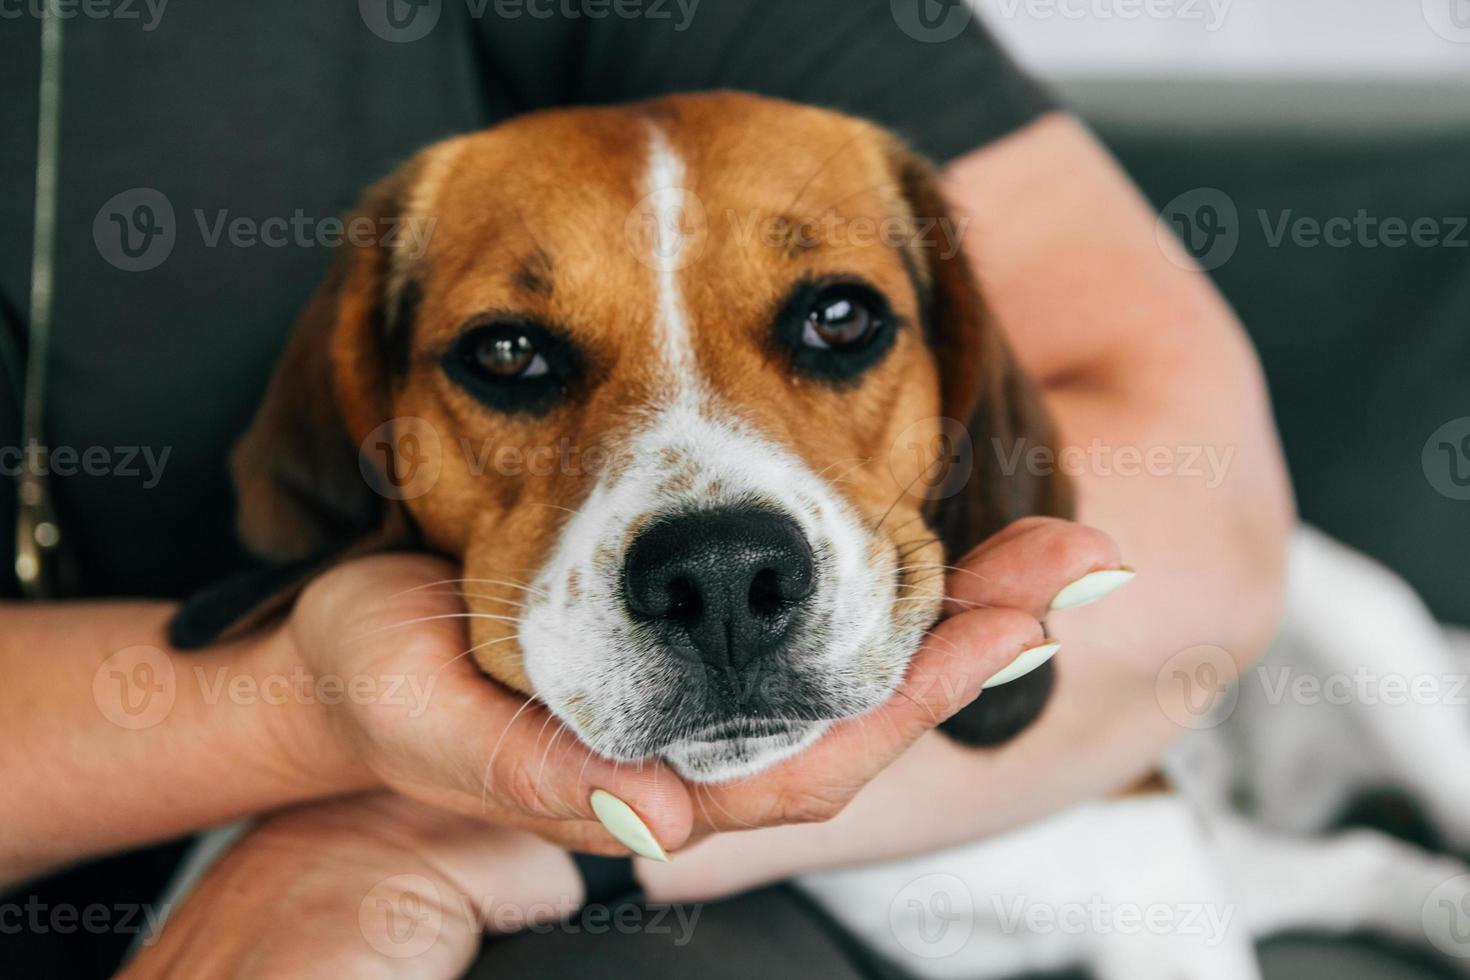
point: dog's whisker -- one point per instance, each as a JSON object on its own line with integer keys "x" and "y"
{"x": 842, "y": 477}
{"x": 466, "y": 581}
{"x": 477, "y": 646}
{"x": 428, "y": 619}
{"x": 949, "y": 648}
{"x": 900, "y": 527}
{"x": 933, "y": 718}
{"x": 806, "y": 185}
{"x": 495, "y": 751}
{"x": 950, "y": 568}
{"x": 897, "y": 500}
{"x": 541, "y": 770}
{"x": 582, "y": 773}
{"x": 506, "y": 582}
{"x": 480, "y": 595}
{"x": 912, "y": 548}
{"x": 698, "y": 798}
{"x": 714, "y": 801}
{"x": 541, "y": 503}
{"x": 861, "y": 461}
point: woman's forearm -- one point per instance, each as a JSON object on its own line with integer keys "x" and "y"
{"x": 114, "y": 739}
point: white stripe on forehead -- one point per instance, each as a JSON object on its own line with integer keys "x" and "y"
{"x": 669, "y": 202}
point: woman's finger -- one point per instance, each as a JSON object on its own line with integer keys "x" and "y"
{"x": 1036, "y": 565}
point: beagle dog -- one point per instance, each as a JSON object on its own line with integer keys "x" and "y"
{"x": 748, "y": 331}
{"x": 703, "y": 401}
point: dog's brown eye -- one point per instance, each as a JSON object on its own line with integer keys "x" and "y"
{"x": 510, "y": 356}
{"x": 835, "y": 329}
{"x": 513, "y": 364}
{"x": 839, "y": 321}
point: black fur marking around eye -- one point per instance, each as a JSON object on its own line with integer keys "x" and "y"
{"x": 396, "y": 321}
{"x": 837, "y": 366}
{"x": 534, "y": 275}
{"x": 514, "y": 395}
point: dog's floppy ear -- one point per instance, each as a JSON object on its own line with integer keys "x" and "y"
{"x": 983, "y": 391}
{"x": 305, "y": 496}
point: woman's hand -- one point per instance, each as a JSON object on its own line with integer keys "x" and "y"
{"x": 454, "y": 739}
{"x": 431, "y": 726}
{"x": 369, "y": 886}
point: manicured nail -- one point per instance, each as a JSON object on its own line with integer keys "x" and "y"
{"x": 1026, "y": 661}
{"x": 620, "y": 821}
{"x": 1090, "y": 588}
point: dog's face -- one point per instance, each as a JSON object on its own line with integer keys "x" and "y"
{"x": 677, "y": 370}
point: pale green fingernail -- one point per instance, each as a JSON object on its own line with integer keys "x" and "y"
{"x": 630, "y": 830}
{"x": 1090, "y": 588}
{"x": 1026, "y": 661}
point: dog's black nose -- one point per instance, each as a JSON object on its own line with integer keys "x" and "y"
{"x": 727, "y": 583}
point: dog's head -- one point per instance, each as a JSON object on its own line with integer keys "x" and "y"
{"x": 672, "y": 380}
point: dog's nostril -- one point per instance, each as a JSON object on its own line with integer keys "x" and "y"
{"x": 773, "y": 590}
{"x": 765, "y": 592}
{"x": 685, "y": 602}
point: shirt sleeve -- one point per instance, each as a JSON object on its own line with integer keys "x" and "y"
{"x": 926, "y": 69}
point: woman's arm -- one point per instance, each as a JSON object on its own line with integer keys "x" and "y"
{"x": 114, "y": 739}
{"x": 1134, "y": 349}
